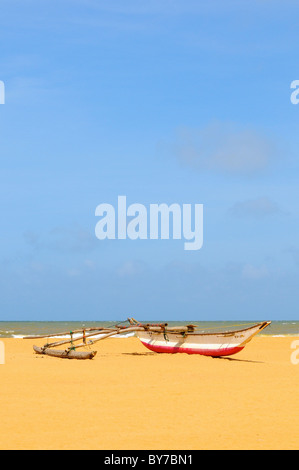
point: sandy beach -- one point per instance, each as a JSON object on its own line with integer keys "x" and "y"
{"x": 130, "y": 398}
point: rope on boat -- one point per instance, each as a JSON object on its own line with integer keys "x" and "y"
{"x": 163, "y": 325}
{"x": 165, "y": 334}
{"x": 72, "y": 346}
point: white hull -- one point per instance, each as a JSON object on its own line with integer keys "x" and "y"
{"x": 208, "y": 344}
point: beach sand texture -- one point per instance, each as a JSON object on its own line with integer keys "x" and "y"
{"x": 129, "y": 398}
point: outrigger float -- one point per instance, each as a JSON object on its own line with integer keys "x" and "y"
{"x": 159, "y": 338}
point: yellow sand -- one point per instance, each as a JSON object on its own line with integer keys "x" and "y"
{"x": 130, "y": 398}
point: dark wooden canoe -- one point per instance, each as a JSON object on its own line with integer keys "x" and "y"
{"x": 65, "y": 354}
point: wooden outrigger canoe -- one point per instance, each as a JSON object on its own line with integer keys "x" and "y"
{"x": 159, "y": 338}
{"x": 206, "y": 344}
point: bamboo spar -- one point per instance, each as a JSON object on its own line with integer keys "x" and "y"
{"x": 105, "y": 333}
{"x": 97, "y": 331}
{"x": 69, "y": 353}
{"x": 112, "y": 333}
{"x": 60, "y": 343}
{"x": 136, "y": 328}
{"x": 66, "y": 333}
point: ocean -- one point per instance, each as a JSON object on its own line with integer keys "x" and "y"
{"x": 19, "y": 329}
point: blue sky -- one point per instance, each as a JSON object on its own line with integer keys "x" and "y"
{"x": 161, "y": 101}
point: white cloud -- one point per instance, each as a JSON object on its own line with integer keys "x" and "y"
{"x": 255, "y": 208}
{"x": 73, "y": 272}
{"x": 225, "y": 148}
{"x": 130, "y": 269}
{"x": 62, "y": 239}
{"x": 254, "y": 272}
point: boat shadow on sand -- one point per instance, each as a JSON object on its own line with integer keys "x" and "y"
{"x": 237, "y": 360}
{"x": 223, "y": 358}
{"x": 139, "y": 354}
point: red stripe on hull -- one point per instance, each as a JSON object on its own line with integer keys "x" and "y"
{"x": 203, "y": 352}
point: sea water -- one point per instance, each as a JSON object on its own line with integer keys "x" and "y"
{"x": 19, "y": 329}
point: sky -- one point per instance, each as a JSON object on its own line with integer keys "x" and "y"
{"x": 165, "y": 101}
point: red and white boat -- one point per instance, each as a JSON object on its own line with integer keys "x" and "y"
{"x": 160, "y": 338}
{"x": 192, "y": 342}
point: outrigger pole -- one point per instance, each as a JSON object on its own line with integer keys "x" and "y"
{"x": 71, "y": 351}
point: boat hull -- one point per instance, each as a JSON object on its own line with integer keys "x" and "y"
{"x": 206, "y": 344}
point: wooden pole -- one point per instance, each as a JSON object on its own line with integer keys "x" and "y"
{"x": 154, "y": 328}
{"x": 65, "y": 333}
{"x": 134, "y": 328}
{"x": 60, "y": 343}
{"x": 112, "y": 333}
